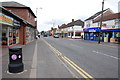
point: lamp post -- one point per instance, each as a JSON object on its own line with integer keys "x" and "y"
{"x": 37, "y": 11}
{"x": 36, "y": 18}
{"x": 101, "y": 22}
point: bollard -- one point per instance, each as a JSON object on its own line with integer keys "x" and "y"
{"x": 15, "y": 60}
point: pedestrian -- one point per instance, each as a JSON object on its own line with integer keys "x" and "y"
{"x": 62, "y": 36}
{"x": 82, "y": 36}
{"x": 39, "y": 35}
{"x": 118, "y": 36}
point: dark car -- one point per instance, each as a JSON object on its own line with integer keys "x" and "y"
{"x": 45, "y": 35}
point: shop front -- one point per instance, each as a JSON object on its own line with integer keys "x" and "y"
{"x": 70, "y": 34}
{"x": 91, "y": 33}
{"x": 10, "y": 30}
{"x": 111, "y": 35}
{"x": 29, "y": 34}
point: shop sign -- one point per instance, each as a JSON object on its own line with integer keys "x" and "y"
{"x": 96, "y": 29}
{"x": 4, "y": 19}
{"x": 92, "y": 30}
{"x": 104, "y": 25}
{"x": 109, "y": 27}
{"x": 16, "y": 23}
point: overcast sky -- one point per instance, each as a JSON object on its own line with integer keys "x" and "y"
{"x": 57, "y": 12}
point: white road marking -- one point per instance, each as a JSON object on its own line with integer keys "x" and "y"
{"x": 105, "y": 54}
{"x": 33, "y": 73}
{"x": 109, "y": 45}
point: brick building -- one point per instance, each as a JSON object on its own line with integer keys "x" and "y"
{"x": 10, "y": 25}
{"x": 27, "y": 31}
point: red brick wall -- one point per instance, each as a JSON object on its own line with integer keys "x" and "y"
{"x": 23, "y": 13}
{"x": 22, "y": 36}
{"x": 30, "y": 19}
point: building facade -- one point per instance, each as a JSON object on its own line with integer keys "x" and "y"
{"x": 22, "y": 33}
{"x": 110, "y": 29}
{"x": 10, "y": 27}
{"x": 73, "y": 29}
{"x": 92, "y": 29}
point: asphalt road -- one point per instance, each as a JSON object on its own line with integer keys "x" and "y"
{"x": 100, "y": 61}
{"x": 66, "y": 58}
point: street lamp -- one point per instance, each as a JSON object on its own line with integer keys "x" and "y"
{"x": 101, "y": 22}
{"x": 36, "y": 19}
{"x": 37, "y": 11}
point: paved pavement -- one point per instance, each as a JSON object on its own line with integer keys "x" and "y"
{"x": 41, "y": 60}
{"x": 28, "y": 52}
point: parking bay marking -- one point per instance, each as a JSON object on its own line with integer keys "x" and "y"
{"x": 72, "y": 64}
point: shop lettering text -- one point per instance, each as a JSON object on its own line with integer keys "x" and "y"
{"x": 5, "y": 19}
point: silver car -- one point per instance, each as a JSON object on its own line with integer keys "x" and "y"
{"x": 56, "y": 36}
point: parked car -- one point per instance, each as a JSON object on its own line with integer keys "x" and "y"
{"x": 45, "y": 35}
{"x": 76, "y": 37}
{"x": 56, "y": 36}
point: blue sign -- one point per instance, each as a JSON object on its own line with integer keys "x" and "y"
{"x": 110, "y": 30}
{"x": 95, "y": 29}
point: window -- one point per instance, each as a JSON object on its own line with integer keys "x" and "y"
{"x": 88, "y": 25}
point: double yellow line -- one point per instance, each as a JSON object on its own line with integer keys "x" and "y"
{"x": 71, "y": 63}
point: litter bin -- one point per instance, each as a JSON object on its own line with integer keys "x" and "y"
{"x": 105, "y": 39}
{"x": 15, "y": 60}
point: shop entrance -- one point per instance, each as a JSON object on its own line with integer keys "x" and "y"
{"x": 4, "y": 36}
{"x": 14, "y": 36}
{"x": 109, "y": 36}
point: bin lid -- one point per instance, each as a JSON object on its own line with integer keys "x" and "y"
{"x": 15, "y": 47}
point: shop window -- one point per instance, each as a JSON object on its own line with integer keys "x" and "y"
{"x": 10, "y": 38}
{"x": 4, "y": 36}
{"x": 77, "y": 34}
{"x": 88, "y": 25}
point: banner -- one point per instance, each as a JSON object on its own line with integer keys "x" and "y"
{"x": 4, "y": 19}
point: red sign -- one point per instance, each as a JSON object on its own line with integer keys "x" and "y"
{"x": 104, "y": 25}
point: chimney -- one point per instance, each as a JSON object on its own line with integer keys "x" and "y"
{"x": 72, "y": 21}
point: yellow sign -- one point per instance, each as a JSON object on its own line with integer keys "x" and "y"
{"x": 4, "y": 19}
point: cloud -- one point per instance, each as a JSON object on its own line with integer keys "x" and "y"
{"x": 55, "y": 22}
{"x": 63, "y": 11}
